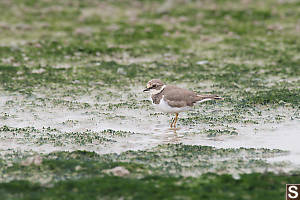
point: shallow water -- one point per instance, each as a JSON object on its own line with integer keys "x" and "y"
{"x": 285, "y": 136}
{"x": 148, "y": 129}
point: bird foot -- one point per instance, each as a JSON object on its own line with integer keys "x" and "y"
{"x": 174, "y": 128}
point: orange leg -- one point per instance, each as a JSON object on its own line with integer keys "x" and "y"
{"x": 175, "y": 120}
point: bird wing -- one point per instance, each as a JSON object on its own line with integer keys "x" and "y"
{"x": 177, "y": 104}
{"x": 202, "y": 97}
{"x": 179, "y": 97}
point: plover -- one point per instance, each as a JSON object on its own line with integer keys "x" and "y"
{"x": 172, "y": 99}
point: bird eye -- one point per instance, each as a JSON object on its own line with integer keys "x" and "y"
{"x": 153, "y": 86}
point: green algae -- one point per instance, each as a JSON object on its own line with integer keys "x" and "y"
{"x": 209, "y": 186}
{"x": 174, "y": 160}
{"x": 59, "y": 138}
{"x": 53, "y": 54}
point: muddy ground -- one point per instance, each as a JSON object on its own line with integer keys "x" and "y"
{"x": 75, "y": 124}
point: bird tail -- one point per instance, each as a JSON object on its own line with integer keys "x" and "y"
{"x": 208, "y": 97}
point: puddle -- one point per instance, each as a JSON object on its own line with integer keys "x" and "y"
{"x": 285, "y": 136}
{"x": 149, "y": 129}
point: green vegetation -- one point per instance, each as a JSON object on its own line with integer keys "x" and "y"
{"x": 82, "y": 174}
{"x": 71, "y": 79}
{"x": 210, "y": 186}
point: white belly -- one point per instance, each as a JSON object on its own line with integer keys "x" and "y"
{"x": 164, "y": 107}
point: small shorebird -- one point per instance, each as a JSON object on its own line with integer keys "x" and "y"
{"x": 172, "y": 99}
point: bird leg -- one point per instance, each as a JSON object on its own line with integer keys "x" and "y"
{"x": 175, "y": 120}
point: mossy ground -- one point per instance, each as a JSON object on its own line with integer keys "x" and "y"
{"x": 71, "y": 76}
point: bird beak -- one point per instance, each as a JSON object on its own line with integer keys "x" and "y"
{"x": 146, "y": 90}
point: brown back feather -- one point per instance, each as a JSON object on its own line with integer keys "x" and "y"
{"x": 208, "y": 96}
{"x": 179, "y": 97}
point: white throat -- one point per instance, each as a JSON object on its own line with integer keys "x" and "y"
{"x": 153, "y": 92}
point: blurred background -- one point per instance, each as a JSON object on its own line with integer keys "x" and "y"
{"x": 74, "y": 123}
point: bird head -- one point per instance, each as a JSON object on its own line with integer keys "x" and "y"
{"x": 154, "y": 86}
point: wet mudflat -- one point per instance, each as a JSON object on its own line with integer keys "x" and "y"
{"x": 74, "y": 122}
